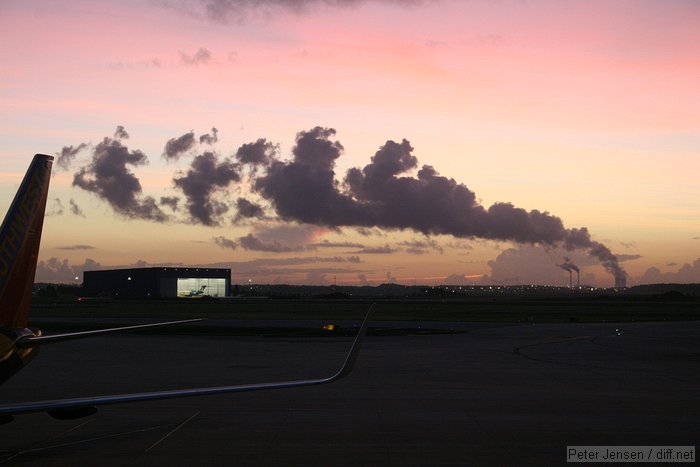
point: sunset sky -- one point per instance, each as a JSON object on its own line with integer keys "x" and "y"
{"x": 588, "y": 111}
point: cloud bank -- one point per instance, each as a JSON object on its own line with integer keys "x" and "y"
{"x": 688, "y": 273}
{"x": 392, "y": 192}
{"x": 382, "y": 194}
{"x": 225, "y": 11}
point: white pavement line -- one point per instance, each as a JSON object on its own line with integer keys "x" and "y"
{"x": 172, "y": 431}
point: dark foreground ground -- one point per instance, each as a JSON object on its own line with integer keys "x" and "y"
{"x": 502, "y": 394}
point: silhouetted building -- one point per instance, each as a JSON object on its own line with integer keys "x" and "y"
{"x": 158, "y": 282}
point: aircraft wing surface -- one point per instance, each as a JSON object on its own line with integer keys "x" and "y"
{"x": 79, "y": 407}
{"x": 28, "y": 341}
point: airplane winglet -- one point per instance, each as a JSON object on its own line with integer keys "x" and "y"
{"x": 355, "y": 349}
{"x": 78, "y": 407}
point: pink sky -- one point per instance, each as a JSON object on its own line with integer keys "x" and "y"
{"x": 587, "y": 110}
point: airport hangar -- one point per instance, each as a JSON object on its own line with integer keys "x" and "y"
{"x": 158, "y": 282}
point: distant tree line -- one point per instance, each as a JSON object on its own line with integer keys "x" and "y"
{"x": 57, "y": 290}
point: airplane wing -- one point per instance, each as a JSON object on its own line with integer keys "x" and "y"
{"x": 80, "y": 407}
{"x": 30, "y": 341}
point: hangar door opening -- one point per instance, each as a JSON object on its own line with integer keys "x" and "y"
{"x": 201, "y": 287}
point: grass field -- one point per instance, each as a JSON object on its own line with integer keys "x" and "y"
{"x": 482, "y": 309}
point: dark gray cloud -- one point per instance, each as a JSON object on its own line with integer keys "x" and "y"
{"x": 175, "y": 147}
{"x": 329, "y": 244}
{"x": 65, "y": 158}
{"x": 623, "y": 258}
{"x": 75, "y": 209}
{"x": 224, "y": 242}
{"x": 392, "y": 192}
{"x": 170, "y": 201}
{"x": 237, "y": 11}
{"x": 315, "y": 150}
{"x": 108, "y": 176}
{"x": 305, "y": 189}
{"x": 120, "y": 133}
{"x": 154, "y": 62}
{"x": 260, "y": 152}
{"x": 55, "y": 208}
{"x": 420, "y": 247}
{"x": 75, "y": 247}
{"x": 205, "y": 176}
{"x": 459, "y": 245}
{"x": 380, "y": 195}
{"x": 209, "y": 138}
{"x": 247, "y": 210}
{"x": 377, "y": 250}
{"x": 416, "y": 251}
{"x": 370, "y": 231}
{"x": 281, "y": 238}
{"x": 251, "y": 242}
{"x": 202, "y": 56}
{"x": 263, "y": 263}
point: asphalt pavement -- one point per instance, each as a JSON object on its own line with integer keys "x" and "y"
{"x": 492, "y": 395}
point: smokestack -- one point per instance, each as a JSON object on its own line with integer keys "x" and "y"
{"x": 578, "y": 271}
{"x": 620, "y": 281}
{"x": 569, "y": 266}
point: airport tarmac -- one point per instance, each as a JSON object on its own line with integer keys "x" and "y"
{"x": 493, "y": 395}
